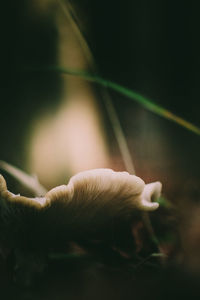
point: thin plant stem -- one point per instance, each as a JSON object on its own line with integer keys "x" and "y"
{"x": 119, "y": 134}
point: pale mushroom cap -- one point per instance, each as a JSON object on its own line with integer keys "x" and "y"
{"x": 99, "y": 181}
{"x": 98, "y": 187}
{"x": 91, "y": 202}
{"x": 107, "y": 183}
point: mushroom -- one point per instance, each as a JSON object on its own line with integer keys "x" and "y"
{"x": 83, "y": 209}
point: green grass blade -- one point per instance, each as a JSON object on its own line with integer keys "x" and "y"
{"x": 144, "y": 101}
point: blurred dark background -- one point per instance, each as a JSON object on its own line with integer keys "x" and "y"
{"x": 153, "y": 48}
{"x": 149, "y": 46}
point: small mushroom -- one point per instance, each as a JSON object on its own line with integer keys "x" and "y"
{"x": 79, "y": 210}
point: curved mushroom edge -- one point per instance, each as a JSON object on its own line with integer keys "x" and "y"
{"x": 90, "y": 185}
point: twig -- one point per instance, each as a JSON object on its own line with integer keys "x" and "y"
{"x": 30, "y": 182}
